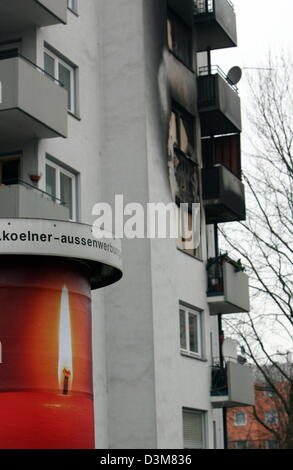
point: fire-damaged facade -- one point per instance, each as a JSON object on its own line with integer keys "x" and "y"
{"x": 120, "y": 97}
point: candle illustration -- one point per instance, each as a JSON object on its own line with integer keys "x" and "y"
{"x": 46, "y": 393}
{"x": 65, "y": 372}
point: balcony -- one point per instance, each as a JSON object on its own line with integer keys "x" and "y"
{"x": 17, "y": 15}
{"x": 33, "y": 105}
{"x": 232, "y": 385}
{"x": 218, "y": 103}
{"x": 223, "y": 195}
{"x": 223, "y": 191}
{"x": 228, "y": 290}
{"x": 22, "y": 200}
{"x": 215, "y": 24}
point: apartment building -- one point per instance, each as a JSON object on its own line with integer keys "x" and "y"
{"x": 101, "y": 98}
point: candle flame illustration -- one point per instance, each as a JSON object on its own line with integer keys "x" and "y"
{"x": 65, "y": 370}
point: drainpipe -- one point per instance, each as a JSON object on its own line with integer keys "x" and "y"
{"x": 221, "y": 339}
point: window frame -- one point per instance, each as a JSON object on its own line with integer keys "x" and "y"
{"x": 68, "y": 65}
{"x": 72, "y": 6}
{"x": 178, "y": 25}
{"x": 188, "y": 310}
{"x": 202, "y": 414}
{"x": 237, "y": 413}
{"x": 183, "y": 115}
{"x": 59, "y": 168}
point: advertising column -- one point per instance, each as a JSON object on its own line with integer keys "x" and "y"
{"x": 46, "y": 388}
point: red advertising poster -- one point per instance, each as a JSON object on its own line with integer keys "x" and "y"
{"x": 46, "y": 395}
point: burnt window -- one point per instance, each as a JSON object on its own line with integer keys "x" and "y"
{"x": 179, "y": 38}
{"x": 182, "y": 130}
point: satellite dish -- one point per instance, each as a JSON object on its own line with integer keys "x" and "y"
{"x": 229, "y": 350}
{"x": 234, "y": 75}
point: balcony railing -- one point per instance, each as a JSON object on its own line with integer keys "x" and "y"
{"x": 212, "y": 70}
{"x": 218, "y": 103}
{"x": 215, "y": 24}
{"x": 232, "y": 385}
{"x": 223, "y": 195}
{"x": 33, "y": 104}
{"x": 228, "y": 290}
{"x": 50, "y": 197}
{"x": 11, "y": 53}
{"x": 21, "y": 199}
{"x": 207, "y": 6}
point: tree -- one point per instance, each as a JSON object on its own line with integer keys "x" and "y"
{"x": 264, "y": 240}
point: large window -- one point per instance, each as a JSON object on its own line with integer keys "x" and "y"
{"x": 193, "y": 429}
{"x": 61, "y": 184}
{"x": 65, "y": 72}
{"x": 240, "y": 418}
{"x": 271, "y": 417}
{"x": 179, "y": 38}
{"x": 190, "y": 331}
{"x": 9, "y": 169}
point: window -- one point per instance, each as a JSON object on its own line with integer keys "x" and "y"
{"x": 63, "y": 71}
{"x": 72, "y": 5}
{"x": 190, "y": 331}
{"x": 9, "y": 170}
{"x": 240, "y": 419}
{"x": 269, "y": 393}
{"x": 271, "y": 417}
{"x": 193, "y": 429}
{"x": 61, "y": 184}
{"x": 182, "y": 155}
{"x": 179, "y": 38}
{"x": 182, "y": 130}
{"x": 240, "y": 444}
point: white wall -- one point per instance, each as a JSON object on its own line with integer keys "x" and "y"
{"x": 79, "y": 42}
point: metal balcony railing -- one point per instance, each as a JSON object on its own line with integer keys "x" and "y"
{"x": 215, "y": 273}
{"x": 207, "y": 6}
{"x": 213, "y": 70}
{"x": 10, "y": 54}
{"x": 219, "y": 386}
{"x": 50, "y": 197}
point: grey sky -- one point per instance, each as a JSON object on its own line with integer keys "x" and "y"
{"x": 261, "y": 24}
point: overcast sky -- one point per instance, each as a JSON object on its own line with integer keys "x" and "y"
{"x": 261, "y": 24}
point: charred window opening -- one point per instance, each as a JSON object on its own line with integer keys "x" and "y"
{"x": 184, "y": 174}
{"x": 182, "y": 130}
{"x": 181, "y": 156}
{"x": 179, "y": 38}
